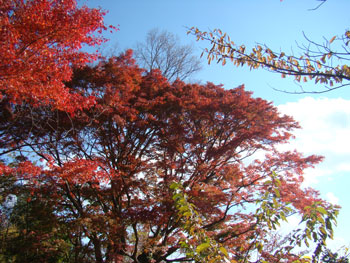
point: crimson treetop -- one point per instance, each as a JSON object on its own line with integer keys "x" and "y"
{"x": 40, "y": 41}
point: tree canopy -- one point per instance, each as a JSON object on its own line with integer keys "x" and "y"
{"x": 107, "y": 170}
{"x": 111, "y": 163}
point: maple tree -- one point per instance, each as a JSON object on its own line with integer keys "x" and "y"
{"x": 40, "y": 41}
{"x": 108, "y": 171}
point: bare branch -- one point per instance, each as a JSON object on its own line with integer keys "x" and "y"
{"x": 318, "y": 6}
{"x": 163, "y": 51}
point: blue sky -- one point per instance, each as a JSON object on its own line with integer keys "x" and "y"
{"x": 325, "y": 118}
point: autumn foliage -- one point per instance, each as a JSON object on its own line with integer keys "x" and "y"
{"x": 323, "y": 63}
{"x": 113, "y": 164}
{"x": 40, "y": 41}
{"x": 107, "y": 170}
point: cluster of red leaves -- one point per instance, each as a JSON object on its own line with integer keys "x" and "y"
{"x": 110, "y": 166}
{"x": 23, "y": 170}
{"x": 40, "y": 41}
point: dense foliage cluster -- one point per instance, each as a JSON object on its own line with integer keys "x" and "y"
{"x": 106, "y": 171}
{"x": 109, "y": 163}
{"x": 40, "y": 40}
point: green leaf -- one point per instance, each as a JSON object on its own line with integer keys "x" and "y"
{"x": 277, "y": 193}
{"x": 321, "y": 210}
{"x": 308, "y": 233}
{"x": 184, "y": 244}
{"x": 267, "y": 182}
{"x": 224, "y": 251}
{"x": 202, "y": 247}
{"x": 187, "y": 214}
{"x": 174, "y": 186}
{"x": 183, "y": 209}
{"x": 321, "y": 220}
{"x": 323, "y": 231}
{"x": 283, "y": 216}
{"x": 259, "y": 246}
{"x": 177, "y": 197}
{"x": 278, "y": 182}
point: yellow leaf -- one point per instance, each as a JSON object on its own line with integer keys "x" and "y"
{"x": 202, "y": 247}
{"x": 308, "y": 62}
{"x": 277, "y": 193}
{"x": 224, "y": 251}
{"x": 323, "y": 230}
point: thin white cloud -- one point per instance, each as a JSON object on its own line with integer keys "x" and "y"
{"x": 325, "y": 131}
{"x": 343, "y": 167}
{"x": 312, "y": 175}
{"x": 332, "y": 198}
